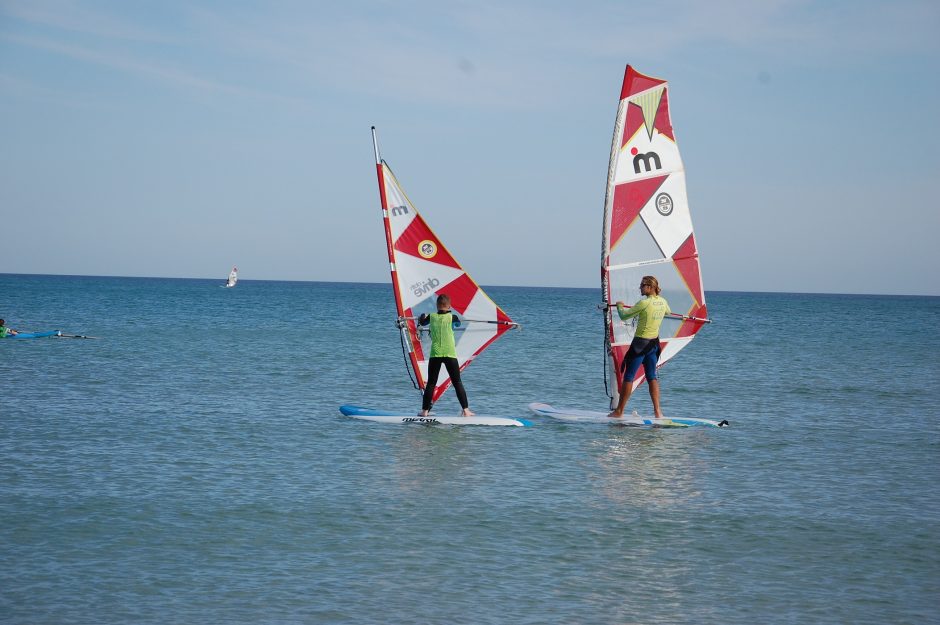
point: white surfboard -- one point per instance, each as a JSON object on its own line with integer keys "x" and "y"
{"x": 385, "y": 416}
{"x": 574, "y": 415}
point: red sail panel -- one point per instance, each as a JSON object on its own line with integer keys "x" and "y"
{"x": 686, "y": 260}
{"x": 629, "y": 200}
{"x": 418, "y": 240}
{"x": 634, "y": 82}
{"x": 633, "y": 122}
{"x": 461, "y": 292}
{"x": 663, "y": 123}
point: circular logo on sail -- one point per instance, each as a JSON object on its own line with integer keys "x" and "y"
{"x": 664, "y": 204}
{"x": 427, "y": 249}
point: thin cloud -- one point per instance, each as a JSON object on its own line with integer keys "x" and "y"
{"x": 609, "y": 28}
{"x": 70, "y": 17}
{"x": 378, "y": 56}
{"x": 528, "y": 54}
{"x": 39, "y": 93}
{"x": 124, "y": 62}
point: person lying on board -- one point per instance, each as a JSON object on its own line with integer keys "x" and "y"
{"x": 645, "y": 348}
{"x": 443, "y": 352}
{"x": 5, "y": 331}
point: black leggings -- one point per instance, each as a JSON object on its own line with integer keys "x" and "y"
{"x": 434, "y": 370}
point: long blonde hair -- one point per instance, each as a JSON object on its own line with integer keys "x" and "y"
{"x": 651, "y": 282}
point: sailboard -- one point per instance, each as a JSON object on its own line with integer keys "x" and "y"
{"x": 421, "y": 268}
{"x": 388, "y": 416}
{"x": 33, "y": 335}
{"x": 232, "y": 278}
{"x": 647, "y": 229}
{"x": 574, "y": 415}
{"x": 58, "y": 334}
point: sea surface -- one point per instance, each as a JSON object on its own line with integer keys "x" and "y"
{"x": 191, "y": 466}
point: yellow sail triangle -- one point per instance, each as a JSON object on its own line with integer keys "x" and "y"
{"x": 648, "y": 101}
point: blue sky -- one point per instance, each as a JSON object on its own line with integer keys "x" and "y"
{"x": 177, "y": 139}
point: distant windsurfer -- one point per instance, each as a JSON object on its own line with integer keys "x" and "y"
{"x": 645, "y": 348}
{"x": 5, "y": 331}
{"x": 443, "y": 352}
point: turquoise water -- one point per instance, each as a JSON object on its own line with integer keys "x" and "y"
{"x": 191, "y": 465}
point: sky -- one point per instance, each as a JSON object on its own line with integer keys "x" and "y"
{"x": 176, "y": 139}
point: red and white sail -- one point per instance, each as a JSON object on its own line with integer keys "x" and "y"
{"x": 647, "y": 224}
{"x": 422, "y": 268}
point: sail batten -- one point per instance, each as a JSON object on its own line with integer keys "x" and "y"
{"x": 422, "y": 268}
{"x": 642, "y": 263}
{"x": 647, "y": 224}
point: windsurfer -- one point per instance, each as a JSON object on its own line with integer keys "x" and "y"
{"x": 645, "y": 348}
{"x": 5, "y": 331}
{"x": 443, "y": 352}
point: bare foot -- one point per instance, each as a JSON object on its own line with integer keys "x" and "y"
{"x": 468, "y": 413}
{"x": 616, "y": 415}
{"x": 423, "y": 413}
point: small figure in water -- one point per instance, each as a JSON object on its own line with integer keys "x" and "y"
{"x": 443, "y": 352}
{"x": 645, "y": 348}
{"x": 5, "y": 331}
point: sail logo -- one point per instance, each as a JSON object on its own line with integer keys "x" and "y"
{"x": 423, "y": 288}
{"x": 427, "y": 249}
{"x": 664, "y": 204}
{"x": 399, "y": 210}
{"x": 648, "y": 160}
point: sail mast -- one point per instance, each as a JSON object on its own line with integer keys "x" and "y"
{"x": 611, "y": 376}
{"x": 389, "y": 242}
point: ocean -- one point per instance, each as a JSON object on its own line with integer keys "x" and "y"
{"x": 191, "y": 465}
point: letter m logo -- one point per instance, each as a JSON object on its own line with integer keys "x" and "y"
{"x": 399, "y": 210}
{"x": 647, "y": 159}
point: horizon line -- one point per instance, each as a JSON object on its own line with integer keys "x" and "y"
{"x": 510, "y": 286}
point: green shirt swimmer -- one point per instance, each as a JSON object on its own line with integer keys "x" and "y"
{"x": 442, "y": 324}
{"x": 443, "y": 354}
{"x": 5, "y": 331}
{"x": 651, "y": 310}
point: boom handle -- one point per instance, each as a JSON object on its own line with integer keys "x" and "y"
{"x": 669, "y": 316}
{"x": 512, "y": 324}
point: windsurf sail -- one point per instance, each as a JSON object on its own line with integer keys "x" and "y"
{"x": 422, "y": 268}
{"x": 647, "y": 226}
{"x": 232, "y": 277}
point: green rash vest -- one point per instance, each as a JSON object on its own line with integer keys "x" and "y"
{"x": 651, "y": 310}
{"x": 442, "y": 336}
{"x": 4, "y": 331}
